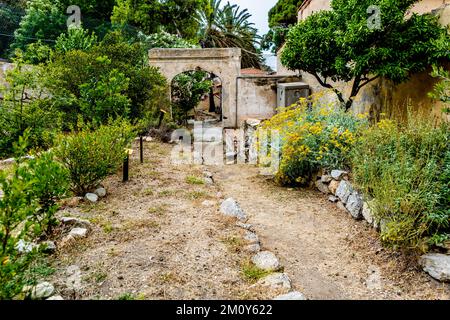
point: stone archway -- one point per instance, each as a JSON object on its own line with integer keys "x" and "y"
{"x": 225, "y": 63}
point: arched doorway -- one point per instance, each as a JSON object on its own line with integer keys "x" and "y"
{"x": 223, "y": 63}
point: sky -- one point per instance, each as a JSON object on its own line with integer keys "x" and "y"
{"x": 259, "y": 9}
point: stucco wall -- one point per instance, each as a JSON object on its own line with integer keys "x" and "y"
{"x": 382, "y": 96}
{"x": 257, "y": 96}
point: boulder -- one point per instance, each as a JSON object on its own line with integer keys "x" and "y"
{"x": 436, "y": 265}
{"x": 266, "y": 260}
{"x": 42, "y": 290}
{"x": 344, "y": 191}
{"x": 339, "y": 174}
{"x": 100, "y": 192}
{"x": 91, "y": 197}
{"x": 231, "y": 208}
{"x": 355, "y": 205}
{"x": 251, "y": 237}
{"x": 333, "y": 186}
{"x": 276, "y": 281}
{"x": 294, "y": 295}
{"x": 322, "y": 187}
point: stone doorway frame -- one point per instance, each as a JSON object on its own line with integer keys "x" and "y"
{"x": 224, "y": 63}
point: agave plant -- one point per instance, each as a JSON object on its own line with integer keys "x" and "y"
{"x": 229, "y": 27}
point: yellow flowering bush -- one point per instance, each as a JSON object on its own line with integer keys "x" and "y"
{"x": 313, "y": 135}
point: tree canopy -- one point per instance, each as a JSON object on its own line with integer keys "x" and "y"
{"x": 340, "y": 45}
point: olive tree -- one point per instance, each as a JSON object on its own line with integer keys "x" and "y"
{"x": 359, "y": 41}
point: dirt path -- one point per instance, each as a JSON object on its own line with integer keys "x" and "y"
{"x": 153, "y": 239}
{"x": 327, "y": 254}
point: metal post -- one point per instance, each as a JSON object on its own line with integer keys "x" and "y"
{"x": 141, "y": 143}
{"x": 126, "y": 167}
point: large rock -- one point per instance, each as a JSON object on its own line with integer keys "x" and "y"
{"x": 253, "y": 248}
{"x": 367, "y": 213}
{"x": 266, "y": 260}
{"x": 333, "y": 186}
{"x": 91, "y": 197}
{"x": 326, "y": 178}
{"x": 339, "y": 174}
{"x": 322, "y": 187}
{"x": 42, "y": 290}
{"x": 355, "y": 205}
{"x": 436, "y": 265}
{"x": 344, "y": 191}
{"x": 276, "y": 281}
{"x": 294, "y": 295}
{"x": 100, "y": 192}
{"x": 231, "y": 208}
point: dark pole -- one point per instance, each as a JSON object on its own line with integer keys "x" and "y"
{"x": 126, "y": 168}
{"x": 141, "y": 142}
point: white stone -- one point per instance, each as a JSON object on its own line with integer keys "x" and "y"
{"x": 344, "y": 191}
{"x": 58, "y": 297}
{"x": 91, "y": 197}
{"x": 148, "y": 139}
{"x": 42, "y": 290}
{"x": 253, "y": 122}
{"x": 338, "y": 174}
{"x": 294, "y": 295}
{"x": 436, "y": 265}
{"x": 253, "y": 248}
{"x": 276, "y": 281}
{"x": 78, "y": 233}
{"x": 251, "y": 237}
{"x": 266, "y": 260}
{"x": 208, "y": 181}
{"x": 100, "y": 192}
{"x": 231, "y": 208}
{"x": 24, "y": 247}
{"x": 355, "y": 205}
{"x": 367, "y": 213}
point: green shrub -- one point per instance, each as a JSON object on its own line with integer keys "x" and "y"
{"x": 313, "y": 135}
{"x": 91, "y": 155}
{"x": 405, "y": 168}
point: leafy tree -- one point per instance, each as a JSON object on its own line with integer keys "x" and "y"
{"x": 153, "y": 16}
{"x": 187, "y": 90}
{"x": 163, "y": 40}
{"x": 281, "y": 17}
{"x": 10, "y": 17}
{"x": 284, "y": 13}
{"x": 75, "y": 39}
{"x": 229, "y": 27}
{"x": 340, "y": 45}
{"x": 442, "y": 88}
{"x": 44, "y": 20}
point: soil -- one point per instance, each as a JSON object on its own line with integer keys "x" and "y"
{"x": 153, "y": 239}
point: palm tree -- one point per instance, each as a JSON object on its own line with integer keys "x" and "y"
{"x": 229, "y": 27}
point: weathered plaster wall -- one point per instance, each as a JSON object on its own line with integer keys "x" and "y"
{"x": 382, "y": 95}
{"x": 225, "y": 63}
{"x": 257, "y": 96}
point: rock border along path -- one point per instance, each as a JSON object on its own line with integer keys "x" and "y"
{"x": 327, "y": 254}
